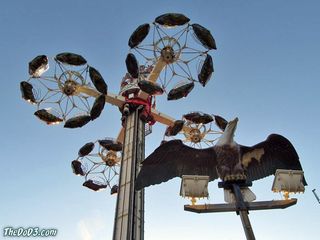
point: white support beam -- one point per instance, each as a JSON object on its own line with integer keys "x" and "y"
{"x": 153, "y": 76}
{"x": 162, "y": 118}
{"x": 118, "y": 101}
{"x": 111, "y": 98}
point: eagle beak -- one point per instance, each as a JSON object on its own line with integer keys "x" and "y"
{"x": 232, "y": 125}
{"x": 234, "y": 121}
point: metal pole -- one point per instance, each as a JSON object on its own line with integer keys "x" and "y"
{"x": 243, "y": 212}
{"x": 129, "y": 216}
{"x": 246, "y": 225}
{"x": 314, "y": 193}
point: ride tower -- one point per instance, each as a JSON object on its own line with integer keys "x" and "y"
{"x": 174, "y": 49}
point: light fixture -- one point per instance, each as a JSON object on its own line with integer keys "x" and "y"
{"x": 194, "y": 186}
{"x": 288, "y": 181}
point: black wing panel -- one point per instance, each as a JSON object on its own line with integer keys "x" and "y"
{"x": 263, "y": 159}
{"x": 174, "y": 159}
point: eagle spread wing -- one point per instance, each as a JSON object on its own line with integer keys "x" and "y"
{"x": 263, "y": 159}
{"x": 174, "y": 159}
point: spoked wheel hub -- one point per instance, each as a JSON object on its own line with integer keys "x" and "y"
{"x": 109, "y": 157}
{"x": 69, "y": 87}
{"x": 169, "y": 48}
{"x": 167, "y": 54}
{"x": 69, "y": 81}
{"x": 195, "y": 135}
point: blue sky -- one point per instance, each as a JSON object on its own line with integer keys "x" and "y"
{"x": 266, "y": 73}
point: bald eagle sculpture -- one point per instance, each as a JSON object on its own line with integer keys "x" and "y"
{"x": 227, "y": 160}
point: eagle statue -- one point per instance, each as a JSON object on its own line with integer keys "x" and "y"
{"x": 227, "y": 160}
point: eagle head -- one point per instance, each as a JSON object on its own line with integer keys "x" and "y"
{"x": 227, "y": 137}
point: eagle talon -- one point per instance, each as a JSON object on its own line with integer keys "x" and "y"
{"x": 236, "y": 177}
{"x": 241, "y": 177}
{"x": 227, "y": 178}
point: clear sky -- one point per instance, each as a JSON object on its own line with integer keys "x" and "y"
{"x": 266, "y": 73}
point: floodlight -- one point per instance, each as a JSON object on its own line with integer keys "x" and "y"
{"x": 288, "y": 181}
{"x": 194, "y": 186}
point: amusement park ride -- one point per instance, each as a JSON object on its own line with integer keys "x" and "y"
{"x": 171, "y": 49}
